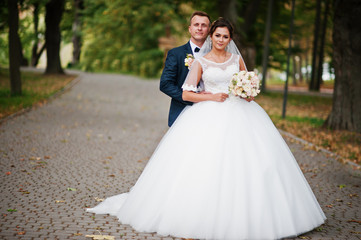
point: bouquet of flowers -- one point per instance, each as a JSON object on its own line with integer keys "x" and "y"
{"x": 188, "y": 60}
{"x": 244, "y": 84}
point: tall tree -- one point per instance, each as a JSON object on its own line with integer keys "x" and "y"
{"x": 35, "y": 54}
{"x": 346, "y": 111}
{"x": 14, "y": 48}
{"x": 314, "y": 83}
{"x": 77, "y": 23}
{"x": 246, "y": 44}
{"x": 266, "y": 45}
{"x": 322, "y": 43}
{"x": 54, "y": 12}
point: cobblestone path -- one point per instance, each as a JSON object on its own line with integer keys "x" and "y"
{"x": 94, "y": 140}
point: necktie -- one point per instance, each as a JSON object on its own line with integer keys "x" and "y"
{"x": 197, "y": 49}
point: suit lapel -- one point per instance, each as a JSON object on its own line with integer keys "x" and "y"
{"x": 188, "y": 49}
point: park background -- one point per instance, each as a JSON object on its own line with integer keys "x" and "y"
{"x": 133, "y": 37}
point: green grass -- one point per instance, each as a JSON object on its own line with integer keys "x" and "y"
{"x": 36, "y": 88}
{"x": 316, "y": 122}
{"x": 299, "y": 99}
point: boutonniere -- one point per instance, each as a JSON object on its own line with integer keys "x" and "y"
{"x": 188, "y": 60}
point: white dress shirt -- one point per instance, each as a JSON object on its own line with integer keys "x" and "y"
{"x": 193, "y": 46}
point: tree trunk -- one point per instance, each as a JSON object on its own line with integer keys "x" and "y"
{"x": 266, "y": 45}
{"x": 346, "y": 110}
{"x": 307, "y": 75}
{"x": 34, "y": 52}
{"x": 54, "y": 11}
{"x": 38, "y": 55}
{"x": 294, "y": 71}
{"x": 23, "y": 60}
{"x": 14, "y": 48}
{"x": 322, "y": 44}
{"x": 77, "y": 41}
{"x": 299, "y": 68}
{"x": 314, "y": 84}
{"x": 248, "y": 48}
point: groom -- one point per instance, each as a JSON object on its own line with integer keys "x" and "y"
{"x": 175, "y": 71}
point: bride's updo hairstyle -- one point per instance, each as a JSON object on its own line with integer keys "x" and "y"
{"x": 221, "y": 22}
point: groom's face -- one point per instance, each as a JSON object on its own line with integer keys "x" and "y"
{"x": 199, "y": 28}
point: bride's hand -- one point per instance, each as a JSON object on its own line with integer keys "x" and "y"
{"x": 204, "y": 92}
{"x": 220, "y": 97}
{"x": 249, "y": 99}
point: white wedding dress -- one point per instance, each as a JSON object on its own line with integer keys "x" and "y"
{"x": 222, "y": 171}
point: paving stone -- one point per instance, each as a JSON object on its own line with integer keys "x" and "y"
{"x": 97, "y": 138}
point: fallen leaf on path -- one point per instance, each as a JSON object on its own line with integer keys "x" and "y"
{"x": 71, "y": 189}
{"x": 21, "y": 233}
{"x": 329, "y": 206}
{"x": 353, "y": 220}
{"x": 341, "y": 186}
{"x": 77, "y": 234}
{"x": 99, "y": 199}
{"x": 23, "y": 191}
{"x": 111, "y": 175}
{"x": 47, "y": 157}
{"x": 100, "y": 237}
{"x": 12, "y": 210}
{"x": 8, "y": 173}
{"x": 59, "y": 201}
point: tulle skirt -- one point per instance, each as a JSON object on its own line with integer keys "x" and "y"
{"x": 222, "y": 171}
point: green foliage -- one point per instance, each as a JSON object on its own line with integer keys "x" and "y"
{"x": 67, "y": 22}
{"x": 123, "y": 35}
{"x": 4, "y": 46}
{"x": 4, "y": 29}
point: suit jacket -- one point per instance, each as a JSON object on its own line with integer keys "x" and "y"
{"x": 172, "y": 79}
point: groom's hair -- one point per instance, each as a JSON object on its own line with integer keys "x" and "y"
{"x": 199, "y": 13}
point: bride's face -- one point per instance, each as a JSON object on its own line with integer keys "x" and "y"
{"x": 220, "y": 38}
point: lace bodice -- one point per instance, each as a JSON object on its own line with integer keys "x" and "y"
{"x": 216, "y": 76}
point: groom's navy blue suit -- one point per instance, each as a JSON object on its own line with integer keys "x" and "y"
{"x": 172, "y": 79}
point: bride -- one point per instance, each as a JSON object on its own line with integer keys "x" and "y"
{"x": 222, "y": 171}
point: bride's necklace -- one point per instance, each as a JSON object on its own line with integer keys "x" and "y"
{"x": 219, "y": 59}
